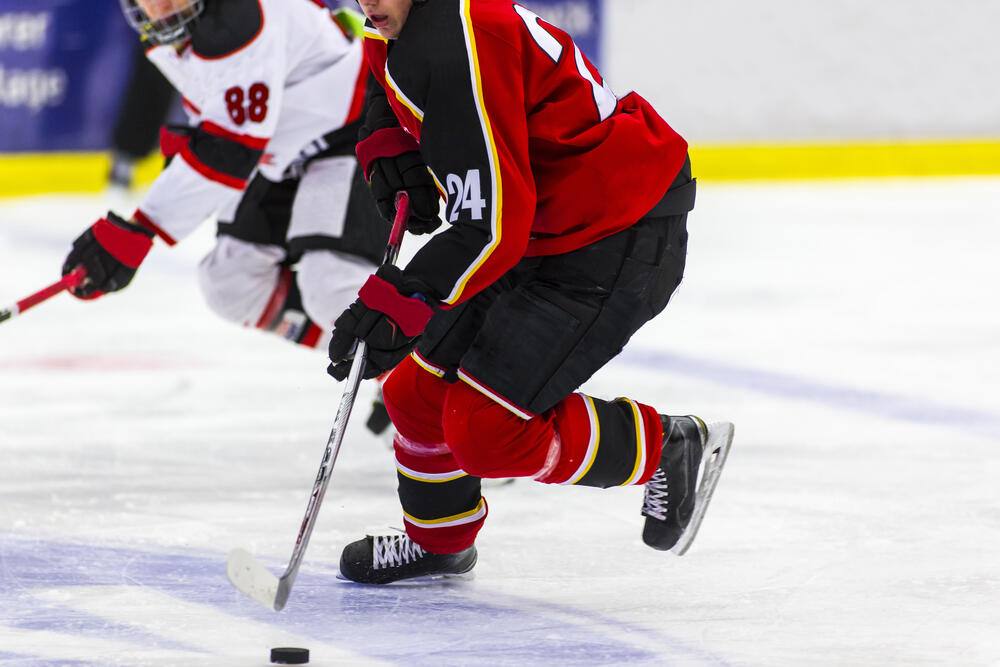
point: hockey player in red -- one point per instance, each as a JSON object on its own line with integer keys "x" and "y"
{"x": 568, "y": 209}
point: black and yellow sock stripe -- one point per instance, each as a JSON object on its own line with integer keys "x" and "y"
{"x": 439, "y": 500}
{"x": 617, "y": 451}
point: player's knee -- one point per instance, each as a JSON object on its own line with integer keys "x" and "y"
{"x": 487, "y": 439}
{"x": 414, "y": 398}
{"x": 329, "y": 283}
{"x": 237, "y": 278}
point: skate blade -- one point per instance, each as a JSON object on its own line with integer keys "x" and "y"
{"x": 433, "y": 579}
{"x": 720, "y": 441}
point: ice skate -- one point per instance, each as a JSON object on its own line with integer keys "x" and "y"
{"x": 678, "y": 494}
{"x": 383, "y": 559}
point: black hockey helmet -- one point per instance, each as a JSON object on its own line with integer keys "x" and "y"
{"x": 170, "y": 28}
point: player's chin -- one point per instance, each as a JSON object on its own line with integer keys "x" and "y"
{"x": 385, "y": 26}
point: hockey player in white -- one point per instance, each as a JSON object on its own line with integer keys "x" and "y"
{"x": 273, "y": 90}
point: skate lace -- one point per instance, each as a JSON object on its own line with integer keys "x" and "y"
{"x": 395, "y": 550}
{"x": 655, "y": 499}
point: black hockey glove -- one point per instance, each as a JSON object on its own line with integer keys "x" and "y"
{"x": 110, "y": 250}
{"x": 385, "y": 318}
{"x": 392, "y": 163}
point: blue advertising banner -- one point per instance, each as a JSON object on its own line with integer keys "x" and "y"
{"x": 62, "y": 66}
{"x": 64, "y": 63}
{"x": 580, "y": 18}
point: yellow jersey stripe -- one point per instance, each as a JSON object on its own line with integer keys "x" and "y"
{"x": 401, "y": 96}
{"x": 426, "y": 365}
{"x": 373, "y": 33}
{"x": 496, "y": 203}
{"x": 437, "y": 182}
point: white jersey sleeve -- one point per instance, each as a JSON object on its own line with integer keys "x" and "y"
{"x": 234, "y": 77}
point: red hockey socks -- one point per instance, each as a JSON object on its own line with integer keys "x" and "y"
{"x": 582, "y": 440}
{"x": 443, "y": 510}
{"x": 603, "y": 443}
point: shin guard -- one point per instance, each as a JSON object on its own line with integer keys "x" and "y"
{"x": 603, "y": 443}
{"x": 443, "y": 510}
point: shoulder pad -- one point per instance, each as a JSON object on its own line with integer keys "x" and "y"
{"x": 226, "y": 27}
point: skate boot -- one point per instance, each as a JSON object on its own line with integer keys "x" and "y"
{"x": 383, "y": 559}
{"x": 678, "y": 494}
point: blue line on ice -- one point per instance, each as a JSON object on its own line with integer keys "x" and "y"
{"x": 413, "y": 625}
{"x": 879, "y": 404}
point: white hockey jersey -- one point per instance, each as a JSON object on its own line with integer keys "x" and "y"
{"x": 262, "y": 80}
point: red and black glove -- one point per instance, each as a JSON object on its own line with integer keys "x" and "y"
{"x": 392, "y": 163}
{"x": 110, "y": 251}
{"x": 388, "y": 320}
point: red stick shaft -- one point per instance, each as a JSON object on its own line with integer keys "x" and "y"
{"x": 69, "y": 281}
{"x": 402, "y": 215}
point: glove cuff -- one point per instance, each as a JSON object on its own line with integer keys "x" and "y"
{"x": 126, "y": 243}
{"x": 145, "y": 222}
{"x": 409, "y": 313}
{"x": 387, "y": 142}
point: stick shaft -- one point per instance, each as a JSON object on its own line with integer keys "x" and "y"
{"x": 69, "y": 281}
{"x": 287, "y": 580}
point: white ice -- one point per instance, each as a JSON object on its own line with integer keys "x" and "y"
{"x": 850, "y": 330}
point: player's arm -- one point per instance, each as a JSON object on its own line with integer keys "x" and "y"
{"x": 392, "y": 163}
{"x": 377, "y": 115}
{"x": 212, "y": 163}
{"x": 480, "y": 154}
{"x": 475, "y": 140}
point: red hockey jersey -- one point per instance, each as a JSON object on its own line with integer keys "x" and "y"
{"x": 533, "y": 152}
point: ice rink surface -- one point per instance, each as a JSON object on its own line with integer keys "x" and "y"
{"x": 850, "y": 330}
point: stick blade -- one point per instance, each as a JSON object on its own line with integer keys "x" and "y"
{"x": 252, "y": 579}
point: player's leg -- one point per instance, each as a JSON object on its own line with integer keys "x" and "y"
{"x": 246, "y": 278}
{"x": 552, "y": 333}
{"x": 443, "y": 509}
{"x": 547, "y": 337}
{"x": 329, "y": 282}
{"x": 448, "y": 427}
{"x": 336, "y": 237}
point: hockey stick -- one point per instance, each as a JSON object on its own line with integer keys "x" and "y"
{"x": 246, "y": 574}
{"x": 69, "y": 281}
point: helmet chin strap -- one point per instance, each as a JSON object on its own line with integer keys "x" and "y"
{"x": 167, "y": 30}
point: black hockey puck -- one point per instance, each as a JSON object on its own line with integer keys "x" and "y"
{"x": 290, "y": 656}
